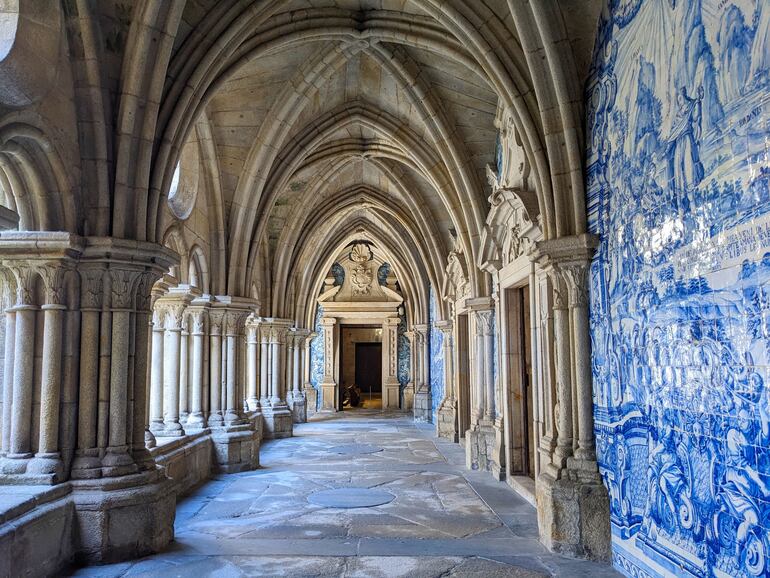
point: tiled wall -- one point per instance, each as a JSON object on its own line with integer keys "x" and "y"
{"x": 436, "y": 354}
{"x": 678, "y": 189}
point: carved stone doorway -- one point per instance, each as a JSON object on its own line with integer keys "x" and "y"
{"x": 463, "y": 377}
{"x": 521, "y": 397}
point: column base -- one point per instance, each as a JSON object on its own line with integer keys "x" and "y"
{"x": 446, "y": 422}
{"x": 311, "y": 399}
{"x": 298, "y": 407}
{"x": 236, "y": 449}
{"x": 422, "y": 405}
{"x": 328, "y": 397}
{"x": 87, "y": 465}
{"x": 408, "y": 397}
{"x": 47, "y": 465}
{"x": 574, "y": 516}
{"x": 278, "y": 421}
{"x": 483, "y": 449}
{"x": 123, "y": 518}
{"x": 118, "y": 462}
{"x": 391, "y": 395}
{"x": 195, "y": 422}
{"x": 20, "y": 469}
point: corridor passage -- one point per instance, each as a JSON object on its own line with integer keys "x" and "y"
{"x": 296, "y": 517}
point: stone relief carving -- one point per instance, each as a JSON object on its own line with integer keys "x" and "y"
{"x": 456, "y": 284}
{"x": 362, "y": 275}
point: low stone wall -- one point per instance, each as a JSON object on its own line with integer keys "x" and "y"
{"x": 187, "y": 461}
{"x": 36, "y": 530}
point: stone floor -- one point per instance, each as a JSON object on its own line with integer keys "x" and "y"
{"x": 435, "y": 518}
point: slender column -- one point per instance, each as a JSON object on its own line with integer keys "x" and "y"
{"x": 275, "y": 358}
{"x": 563, "y": 374}
{"x": 576, "y": 276}
{"x": 117, "y": 460}
{"x": 156, "y": 375}
{"x": 140, "y": 434}
{"x": 252, "y": 394}
{"x": 87, "y": 463}
{"x": 195, "y": 420}
{"x": 215, "y": 366}
{"x": 232, "y": 413}
{"x": 264, "y": 367}
{"x": 184, "y": 371}
{"x": 48, "y": 459}
{"x": 487, "y": 320}
{"x": 329, "y": 385}
{"x": 446, "y": 328}
{"x": 296, "y": 366}
{"x": 19, "y": 449}
{"x": 171, "y": 370}
{"x": 480, "y": 374}
{"x": 10, "y": 338}
{"x": 289, "y": 365}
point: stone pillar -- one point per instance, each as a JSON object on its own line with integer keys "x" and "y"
{"x": 252, "y": 363}
{"x": 156, "y": 372}
{"x": 264, "y": 366}
{"x": 299, "y": 401}
{"x": 329, "y": 393}
{"x": 87, "y": 463}
{"x": 311, "y": 395}
{"x": 47, "y": 460}
{"x": 408, "y": 397}
{"x": 20, "y": 443}
{"x": 184, "y": 371}
{"x": 196, "y": 420}
{"x": 391, "y": 388}
{"x": 276, "y": 414}
{"x": 289, "y": 368}
{"x": 422, "y": 395}
{"x": 10, "y": 344}
{"x": 140, "y": 433}
{"x": 171, "y": 370}
{"x": 484, "y": 448}
{"x": 234, "y": 400}
{"x": 216, "y": 418}
{"x": 573, "y": 504}
{"x": 446, "y": 426}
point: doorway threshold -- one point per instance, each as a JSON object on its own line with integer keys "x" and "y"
{"x": 525, "y": 487}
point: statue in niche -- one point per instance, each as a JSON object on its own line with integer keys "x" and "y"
{"x": 456, "y": 275}
{"x": 362, "y": 275}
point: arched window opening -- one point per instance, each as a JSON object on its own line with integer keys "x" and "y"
{"x": 9, "y": 24}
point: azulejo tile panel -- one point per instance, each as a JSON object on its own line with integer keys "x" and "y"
{"x": 678, "y": 105}
{"x": 436, "y": 355}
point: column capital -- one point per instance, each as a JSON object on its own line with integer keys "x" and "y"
{"x": 565, "y": 250}
{"x": 197, "y": 321}
{"x": 445, "y": 326}
{"x": 484, "y": 322}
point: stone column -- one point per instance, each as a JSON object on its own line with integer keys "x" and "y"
{"x": 48, "y": 460}
{"x": 576, "y": 276}
{"x": 422, "y": 394}
{"x": 299, "y": 401}
{"x": 391, "y": 388}
{"x": 252, "y": 365}
{"x": 232, "y": 397}
{"x": 289, "y": 368}
{"x": 196, "y": 420}
{"x": 156, "y": 372}
{"x": 184, "y": 370}
{"x": 310, "y": 395}
{"x": 216, "y": 418}
{"x": 563, "y": 409}
{"x": 329, "y": 392}
{"x": 487, "y": 320}
{"x": 171, "y": 370}
{"x": 409, "y": 390}
{"x": 117, "y": 461}
{"x": 571, "y": 488}
{"x": 277, "y": 415}
{"x": 10, "y": 344}
{"x": 20, "y": 443}
{"x": 446, "y": 426}
{"x": 87, "y": 463}
{"x": 264, "y": 366}
{"x": 140, "y": 433}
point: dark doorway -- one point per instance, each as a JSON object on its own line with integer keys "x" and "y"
{"x": 369, "y": 369}
{"x": 463, "y": 377}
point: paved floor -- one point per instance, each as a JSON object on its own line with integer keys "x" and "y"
{"x": 439, "y": 519}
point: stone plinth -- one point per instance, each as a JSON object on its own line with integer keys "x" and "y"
{"x": 328, "y": 397}
{"x": 311, "y": 400}
{"x": 298, "y": 407}
{"x": 446, "y": 421}
{"x": 391, "y": 395}
{"x": 572, "y": 516}
{"x": 122, "y": 518}
{"x": 278, "y": 422}
{"x": 236, "y": 448}
{"x": 483, "y": 449}
{"x": 422, "y": 404}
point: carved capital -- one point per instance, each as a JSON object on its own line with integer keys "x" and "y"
{"x": 216, "y": 321}
{"x": 91, "y": 288}
{"x": 53, "y": 276}
{"x": 24, "y": 277}
{"x": 122, "y": 288}
{"x": 198, "y": 322}
{"x": 174, "y": 313}
{"x": 7, "y": 289}
{"x": 485, "y": 323}
{"x": 576, "y": 277}
{"x": 559, "y": 286}
{"x": 144, "y": 291}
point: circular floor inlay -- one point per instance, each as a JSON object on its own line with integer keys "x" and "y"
{"x": 354, "y": 449}
{"x": 350, "y": 498}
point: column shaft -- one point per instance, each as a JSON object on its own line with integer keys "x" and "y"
{"x": 171, "y": 367}
{"x": 195, "y": 419}
{"x": 51, "y": 379}
{"x": 156, "y": 376}
{"x": 10, "y": 345}
{"x": 23, "y": 371}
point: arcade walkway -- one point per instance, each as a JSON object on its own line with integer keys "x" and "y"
{"x": 435, "y": 518}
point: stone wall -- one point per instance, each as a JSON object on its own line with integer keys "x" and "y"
{"x": 679, "y": 193}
